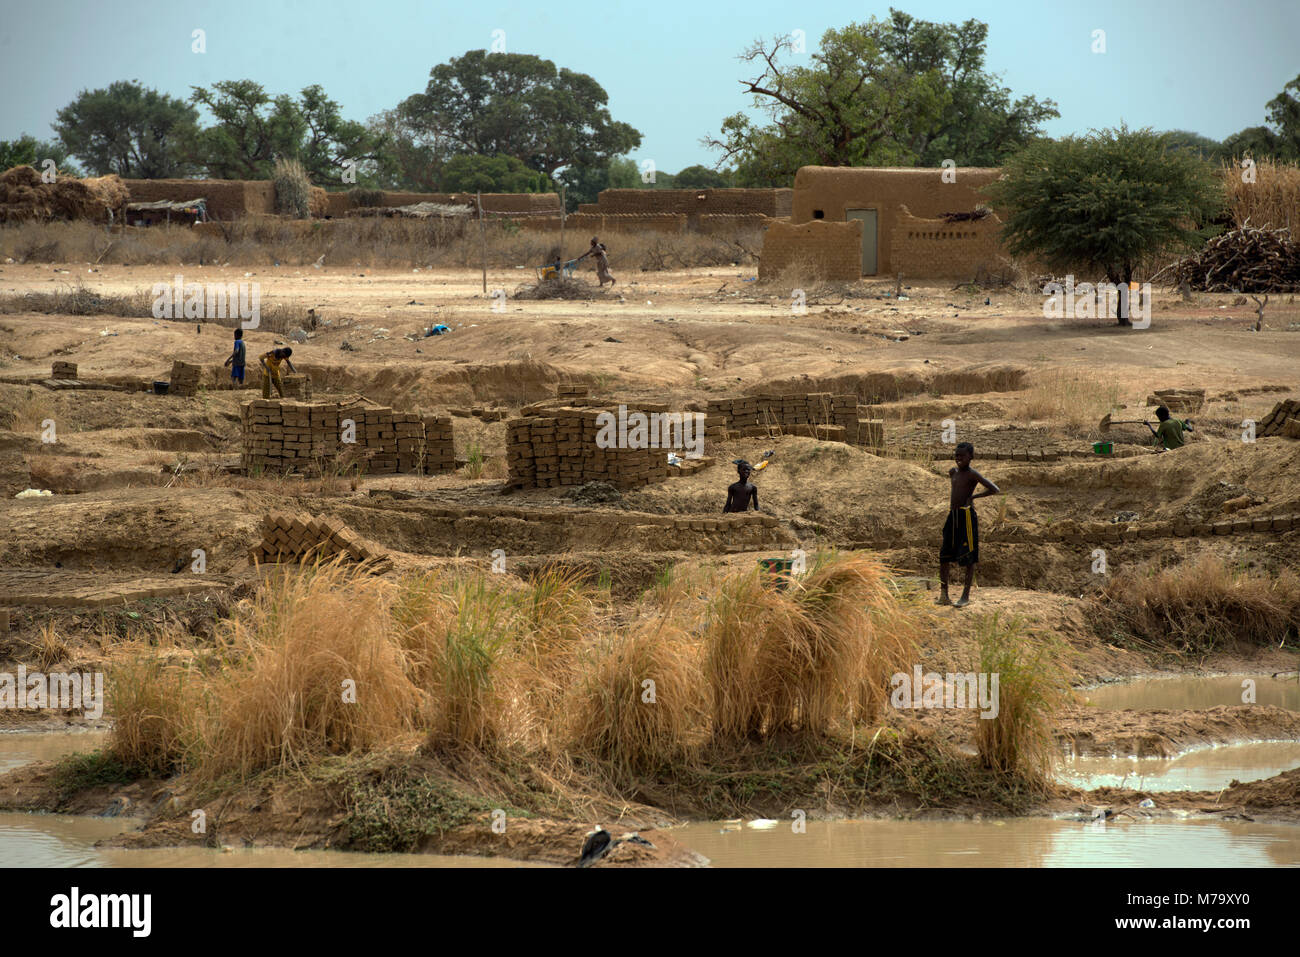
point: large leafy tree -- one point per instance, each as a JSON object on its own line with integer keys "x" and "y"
{"x": 1105, "y": 201}
{"x": 252, "y": 129}
{"x": 702, "y": 177}
{"x": 582, "y": 184}
{"x": 407, "y": 158}
{"x": 29, "y": 151}
{"x": 491, "y": 174}
{"x": 898, "y": 91}
{"x": 130, "y": 130}
{"x": 519, "y": 105}
{"x": 1279, "y": 138}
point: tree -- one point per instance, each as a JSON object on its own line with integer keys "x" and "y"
{"x": 1280, "y": 138}
{"x": 893, "y": 92}
{"x": 519, "y": 105}
{"x": 1105, "y": 201}
{"x": 702, "y": 177}
{"x": 583, "y": 184}
{"x": 29, "y": 151}
{"x": 250, "y": 132}
{"x": 130, "y": 130}
{"x": 1202, "y": 147}
{"x": 491, "y": 174}
{"x": 254, "y": 129}
{"x": 405, "y": 158}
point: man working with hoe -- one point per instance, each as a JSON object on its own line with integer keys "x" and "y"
{"x": 1168, "y": 435}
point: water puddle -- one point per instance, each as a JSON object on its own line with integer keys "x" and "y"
{"x": 23, "y": 747}
{"x": 1204, "y": 769}
{"x": 59, "y": 840}
{"x": 1012, "y": 843}
{"x": 1184, "y": 693}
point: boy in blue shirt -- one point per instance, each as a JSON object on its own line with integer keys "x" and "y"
{"x": 237, "y": 360}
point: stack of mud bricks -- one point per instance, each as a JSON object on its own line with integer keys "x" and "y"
{"x": 185, "y": 378}
{"x": 309, "y": 436}
{"x": 1283, "y": 420}
{"x": 297, "y": 386}
{"x": 438, "y": 445}
{"x": 1178, "y": 401}
{"x": 815, "y": 414}
{"x": 282, "y": 436}
{"x": 301, "y": 538}
{"x": 568, "y": 390}
{"x": 64, "y": 370}
{"x": 544, "y": 451}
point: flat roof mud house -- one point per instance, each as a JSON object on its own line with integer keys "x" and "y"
{"x": 849, "y": 222}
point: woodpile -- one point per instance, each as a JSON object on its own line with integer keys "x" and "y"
{"x": 1283, "y": 420}
{"x": 1248, "y": 259}
{"x": 185, "y": 378}
{"x": 64, "y": 370}
{"x": 300, "y": 538}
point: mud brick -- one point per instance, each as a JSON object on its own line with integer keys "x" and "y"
{"x": 1202, "y": 529}
{"x": 1221, "y": 528}
{"x": 1130, "y": 535}
{"x": 1280, "y": 523}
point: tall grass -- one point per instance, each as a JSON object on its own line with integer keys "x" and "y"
{"x": 327, "y": 662}
{"x": 1073, "y": 398}
{"x": 639, "y": 702}
{"x": 1273, "y": 199}
{"x": 1033, "y": 686}
{"x": 292, "y": 188}
{"x": 1197, "y": 606}
{"x": 793, "y": 661}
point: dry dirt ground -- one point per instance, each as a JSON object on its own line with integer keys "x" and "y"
{"x": 138, "y": 484}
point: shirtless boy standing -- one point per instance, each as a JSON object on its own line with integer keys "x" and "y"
{"x": 961, "y": 532}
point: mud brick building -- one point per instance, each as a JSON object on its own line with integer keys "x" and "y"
{"x": 309, "y": 437}
{"x": 902, "y": 224}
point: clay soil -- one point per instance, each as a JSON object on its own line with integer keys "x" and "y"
{"x": 139, "y": 480}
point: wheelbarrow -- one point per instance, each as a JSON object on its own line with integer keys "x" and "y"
{"x": 565, "y": 270}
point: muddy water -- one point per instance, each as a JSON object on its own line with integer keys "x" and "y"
{"x": 22, "y": 747}
{"x": 60, "y": 840}
{"x": 1193, "y": 693}
{"x": 1012, "y": 843}
{"x": 1203, "y": 769}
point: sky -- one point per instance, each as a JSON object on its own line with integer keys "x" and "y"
{"x": 670, "y": 67}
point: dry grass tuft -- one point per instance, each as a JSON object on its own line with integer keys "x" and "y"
{"x": 1197, "y": 606}
{"x": 1073, "y": 398}
{"x": 1033, "y": 685}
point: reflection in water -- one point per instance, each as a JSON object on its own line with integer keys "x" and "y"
{"x": 55, "y": 840}
{"x": 1011, "y": 843}
{"x": 1192, "y": 694}
{"x": 1205, "y": 769}
{"x": 23, "y": 747}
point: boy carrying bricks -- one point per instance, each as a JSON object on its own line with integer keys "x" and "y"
{"x": 237, "y": 360}
{"x": 961, "y": 532}
{"x": 271, "y": 370}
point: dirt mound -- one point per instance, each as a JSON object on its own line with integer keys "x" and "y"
{"x": 560, "y": 288}
{"x": 593, "y": 493}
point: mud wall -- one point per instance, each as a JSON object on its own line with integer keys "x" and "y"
{"x": 815, "y": 250}
{"x": 936, "y": 249}
{"x": 226, "y": 198}
{"x": 600, "y": 223}
{"x": 693, "y": 202}
{"x": 534, "y": 203}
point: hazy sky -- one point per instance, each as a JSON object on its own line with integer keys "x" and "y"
{"x": 669, "y": 66}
